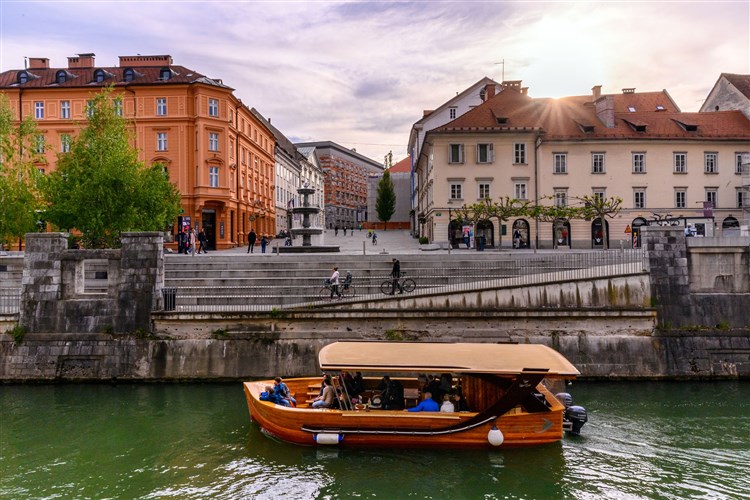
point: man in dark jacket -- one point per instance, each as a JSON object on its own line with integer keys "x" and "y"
{"x": 251, "y": 237}
{"x": 202, "y": 241}
{"x": 396, "y": 274}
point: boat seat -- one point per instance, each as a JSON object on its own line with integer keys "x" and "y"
{"x": 411, "y": 397}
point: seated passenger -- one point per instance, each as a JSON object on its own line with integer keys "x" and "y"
{"x": 282, "y": 390}
{"x": 447, "y": 406}
{"x": 393, "y": 397}
{"x": 272, "y": 397}
{"x": 460, "y": 403}
{"x": 359, "y": 384}
{"x": 325, "y": 400}
{"x": 427, "y": 404}
{"x": 434, "y": 388}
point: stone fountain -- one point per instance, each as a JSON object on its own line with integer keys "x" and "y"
{"x": 307, "y": 231}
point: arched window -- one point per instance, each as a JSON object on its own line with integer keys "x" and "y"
{"x": 99, "y": 75}
{"x": 128, "y": 75}
{"x": 60, "y": 77}
{"x": 22, "y": 77}
{"x": 165, "y": 74}
{"x": 730, "y": 222}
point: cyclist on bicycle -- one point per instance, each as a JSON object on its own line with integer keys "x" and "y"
{"x": 396, "y": 274}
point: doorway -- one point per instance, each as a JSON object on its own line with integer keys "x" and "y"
{"x": 209, "y": 227}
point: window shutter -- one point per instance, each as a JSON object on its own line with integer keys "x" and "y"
{"x": 491, "y": 154}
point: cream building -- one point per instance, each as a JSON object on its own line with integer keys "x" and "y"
{"x": 685, "y": 168}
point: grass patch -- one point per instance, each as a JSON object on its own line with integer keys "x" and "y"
{"x": 18, "y": 332}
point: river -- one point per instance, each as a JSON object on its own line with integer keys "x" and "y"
{"x": 670, "y": 440}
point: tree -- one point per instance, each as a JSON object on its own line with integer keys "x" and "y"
{"x": 386, "y": 201}
{"x": 556, "y": 213}
{"x": 503, "y": 209}
{"x": 598, "y": 207}
{"x": 101, "y": 189}
{"x": 19, "y": 177}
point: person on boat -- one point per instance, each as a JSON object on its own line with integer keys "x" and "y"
{"x": 282, "y": 389}
{"x": 427, "y": 404}
{"x": 460, "y": 404}
{"x": 447, "y": 406}
{"x": 325, "y": 400}
{"x": 272, "y": 397}
{"x": 359, "y": 384}
{"x": 433, "y": 387}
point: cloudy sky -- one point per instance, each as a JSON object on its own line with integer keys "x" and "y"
{"x": 360, "y": 73}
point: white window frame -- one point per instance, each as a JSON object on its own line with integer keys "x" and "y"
{"x": 521, "y": 191}
{"x": 161, "y": 141}
{"x": 738, "y": 163}
{"x": 452, "y": 113}
{"x": 597, "y": 163}
{"x": 559, "y": 163}
{"x": 489, "y": 152}
{"x": 65, "y": 110}
{"x": 679, "y": 162}
{"x": 599, "y": 193}
{"x": 65, "y": 141}
{"x": 639, "y": 162}
{"x": 561, "y": 198}
{"x": 519, "y": 153}
{"x": 39, "y": 110}
{"x": 39, "y": 144}
{"x": 161, "y": 106}
{"x": 484, "y": 190}
{"x": 712, "y": 195}
{"x": 459, "y": 156}
{"x": 741, "y": 198}
{"x": 711, "y": 162}
{"x": 639, "y": 203}
{"x": 680, "y": 198}
{"x": 213, "y": 107}
{"x": 90, "y": 108}
{"x": 456, "y": 191}
{"x": 213, "y": 176}
{"x": 213, "y": 141}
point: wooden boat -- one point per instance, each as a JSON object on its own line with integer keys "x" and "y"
{"x": 508, "y": 387}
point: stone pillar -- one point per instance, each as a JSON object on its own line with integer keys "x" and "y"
{"x": 670, "y": 276}
{"x": 41, "y": 285}
{"x": 141, "y": 280}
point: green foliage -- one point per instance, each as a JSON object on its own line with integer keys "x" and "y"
{"x": 17, "y": 332}
{"x": 101, "y": 188}
{"x": 19, "y": 177}
{"x": 393, "y": 335}
{"x": 385, "y": 205}
{"x": 423, "y": 240}
{"x": 502, "y": 210}
{"x": 220, "y": 333}
{"x": 723, "y": 325}
{"x": 277, "y": 313}
{"x": 597, "y": 207}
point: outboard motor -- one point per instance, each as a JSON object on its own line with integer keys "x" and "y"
{"x": 574, "y": 416}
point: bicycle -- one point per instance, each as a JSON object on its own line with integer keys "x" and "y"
{"x": 406, "y": 284}
{"x": 346, "y": 288}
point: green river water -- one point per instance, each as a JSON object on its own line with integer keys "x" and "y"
{"x": 644, "y": 440}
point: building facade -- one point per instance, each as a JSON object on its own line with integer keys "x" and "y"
{"x": 401, "y": 178}
{"x": 218, "y": 154}
{"x": 345, "y": 175}
{"x": 681, "y": 168}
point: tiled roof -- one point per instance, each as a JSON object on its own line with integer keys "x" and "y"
{"x": 84, "y": 77}
{"x": 741, "y": 82}
{"x": 402, "y": 166}
{"x": 575, "y": 118}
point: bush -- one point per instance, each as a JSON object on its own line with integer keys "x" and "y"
{"x": 423, "y": 240}
{"x": 17, "y": 332}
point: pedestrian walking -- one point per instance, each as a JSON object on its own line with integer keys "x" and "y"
{"x": 334, "y": 279}
{"x": 336, "y": 230}
{"x": 251, "y": 237}
{"x": 193, "y": 238}
{"x": 202, "y": 241}
{"x": 263, "y": 242}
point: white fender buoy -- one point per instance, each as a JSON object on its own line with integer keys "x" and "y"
{"x": 495, "y": 436}
{"x": 328, "y": 438}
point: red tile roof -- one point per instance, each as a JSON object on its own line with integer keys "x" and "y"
{"x": 575, "y": 118}
{"x": 402, "y": 166}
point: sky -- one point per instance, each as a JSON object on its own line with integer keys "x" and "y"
{"x": 361, "y": 73}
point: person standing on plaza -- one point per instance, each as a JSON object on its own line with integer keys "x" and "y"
{"x": 263, "y": 243}
{"x": 336, "y": 230}
{"x": 193, "y": 238}
{"x": 251, "y": 237}
{"x": 334, "y": 279}
{"x": 202, "y": 241}
{"x": 396, "y": 274}
{"x": 344, "y": 230}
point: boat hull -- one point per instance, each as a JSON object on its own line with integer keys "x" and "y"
{"x": 384, "y": 428}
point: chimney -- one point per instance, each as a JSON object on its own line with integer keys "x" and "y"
{"x": 524, "y": 90}
{"x": 38, "y": 63}
{"x": 81, "y": 61}
{"x": 427, "y": 112}
{"x": 512, "y": 84}
{"x": 139, "y": 60}
{"x": 629, "y": 91}
{"x": 596, "y": 91}
{"x": 489, "y": 91}
{"x": 605, "y": 111}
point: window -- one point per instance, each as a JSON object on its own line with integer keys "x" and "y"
{"x": 456, "y": 153}
{"x": 23, "y": 77}
{"x": 89, "y": 108}
{"x": 452, "y": 113}
{"x": 213, "y": 107}
{"x": 639, "y": 198}
{"x": 561, "y": 198}
{"x": 39, "y": 110}
{"x": 213, "y": 141}
{"x": 597, "y": 163}
{"x": 456, "y": 191}
{"x": 128, "y": 75}
{"x": 117, "y": 103}
{"x": 738, "y": 163}
{"x": 161, "y": 141}
{"x": 213, "y": 177}
{"x": 39, "y": 144}
{"x": 711, "y": 163}
{"x": 639, "y": 163}
{"x": 599, "y": 193}
{"x": 741, "y": 198}
{"x": 680, "y": 163}
{"x": 65, "y": 109}
{"x": 65, "y": 143}
{"x": 161, "y": 106}
{"x": 165, "y": 74}
{"x": 519, "y": 153}
{"x": 680, "y": 198}
{"x": 484, "y": 190}
{"x": 484, "y": 153}
{"x": 560, "y": 161}
{"x": 60, "y": 77}
{"x": 519, "y": 191}
{"x": 712, "y": 196}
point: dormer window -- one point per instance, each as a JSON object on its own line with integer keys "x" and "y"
{"x": 165, "y": 74}
{"x": 631, "y": 109}
{"x": 687, "y": 127}
{"x": 636, "y": 125}
{"x": 60, "y": 77}
{"x": 659, "y": 107}
{"x": 22, "y": 77}
{"x": 99, "y": 76}
{"x": 128, "y": 75}
{"x": 482, "y": 95}
{"x": 502, "y": 120}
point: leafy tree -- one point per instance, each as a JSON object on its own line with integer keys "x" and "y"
{"x": 19, "y": 177}
{"x": 502, "y": 210}
{"x": 101, "y": 189}
{"x": 554, "y": 213}
{"x": 598, "y": 207}
{"x": 385, "y": 204}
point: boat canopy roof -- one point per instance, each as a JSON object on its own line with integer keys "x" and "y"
{"x": 502, "y": 359}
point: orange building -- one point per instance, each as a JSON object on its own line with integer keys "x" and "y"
{"x": 218, "y": 153}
